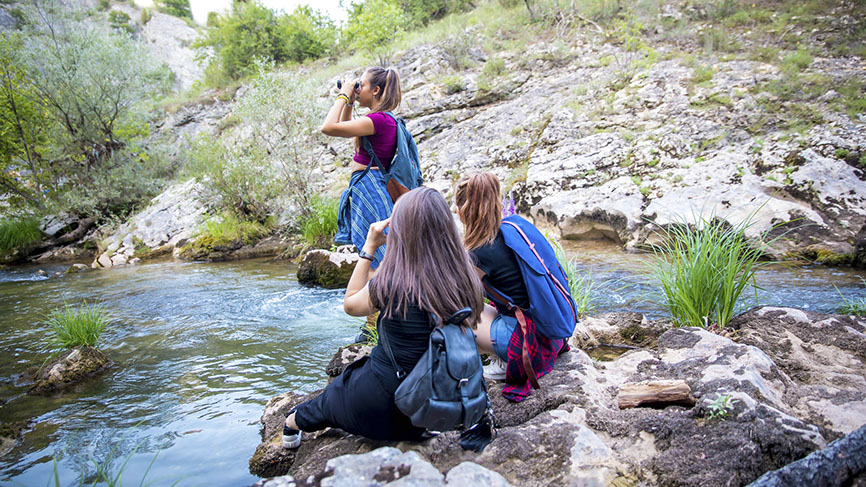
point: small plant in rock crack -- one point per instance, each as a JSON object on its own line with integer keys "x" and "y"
{"x": 721, "y": 406}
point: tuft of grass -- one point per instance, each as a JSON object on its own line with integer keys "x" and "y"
{"x": 702, "y": 73}
{"x": 580, "y": 284}
{"x": 227, "y": 229}
{"x": 703, "y": 269}
{"x": 452, "y": 84}
{"x": 797, "y": 61}
{"x": 320, "y": 227}
{"x": 494, "y": 67}
{"x": 78, "y": 326}
{"x": 18, "y": 232}
{"x": 853, "y": 306}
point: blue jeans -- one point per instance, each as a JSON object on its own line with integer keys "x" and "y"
{"x": 500, "y": 334}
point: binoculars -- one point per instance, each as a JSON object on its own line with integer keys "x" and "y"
{"x": 340, "y": 84}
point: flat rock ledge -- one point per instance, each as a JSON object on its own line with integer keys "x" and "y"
{"x": 70, "y": 368}
{"x": 795, "y": 379}
{"x": 327, "y": 269}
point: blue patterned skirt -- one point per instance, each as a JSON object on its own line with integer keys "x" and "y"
{"x": 366, "y": 201}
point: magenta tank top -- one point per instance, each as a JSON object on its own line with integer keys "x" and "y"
{"x": 384, "y": 140}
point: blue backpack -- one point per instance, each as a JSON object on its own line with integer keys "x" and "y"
{"x": 404, "y": 173}
{"x": 550, "y": 303}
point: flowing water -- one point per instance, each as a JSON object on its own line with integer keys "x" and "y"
{"x": 198, "y": 349}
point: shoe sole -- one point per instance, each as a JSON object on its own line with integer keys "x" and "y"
{"x": 292, "y": 441}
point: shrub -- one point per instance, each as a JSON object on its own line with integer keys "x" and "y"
{"x": 702, "y": 73}
{"x": 18, "y": 232}
{"x": 797, "y": 61}
{"x": 145, "y": 16}
{"x": 703, "y": 270}
{"x": 320, "y": 226}
{"x": 453, "y": 84}
{"x": 78, "y": 326}
{"x": 494, "y": 67}
{"x": 120, "y": 21}
{"x": 178, "y": 8}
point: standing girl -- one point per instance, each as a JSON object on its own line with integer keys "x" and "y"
{"x": 367, "y": 200}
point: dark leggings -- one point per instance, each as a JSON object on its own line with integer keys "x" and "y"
{"x": 361, "y": 402}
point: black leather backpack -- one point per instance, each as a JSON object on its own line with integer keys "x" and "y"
{"x": 446, "y": 388}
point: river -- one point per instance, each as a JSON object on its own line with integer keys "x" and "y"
{"x": 199, "y": 348}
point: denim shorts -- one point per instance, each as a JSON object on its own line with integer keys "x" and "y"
{"x": 500, "y": 334}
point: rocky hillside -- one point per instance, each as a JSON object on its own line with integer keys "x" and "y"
{"x": 611, "y": 133}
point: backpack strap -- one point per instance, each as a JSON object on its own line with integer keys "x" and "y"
{"x": 559, "y": 286}
{"x": 368, "y": 146}
{"x": 501, "y": 298}
{"x": 383, "y": 336}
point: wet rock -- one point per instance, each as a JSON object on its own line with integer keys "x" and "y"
{"x": 10, "y": 434}
{"x": 70, "y": 368}
{"x": 571, "y": 432}
{"x": 76, "y": 268}
{"x": 823, "y": 355}
{"x": 620, "y": 328}
{"x": 346, "y": 356}
{"x": 330, "y": 270}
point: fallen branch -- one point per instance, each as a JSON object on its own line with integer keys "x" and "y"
{"x": 659, "y": 393}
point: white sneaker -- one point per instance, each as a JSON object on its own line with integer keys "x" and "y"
{"x": 496, "y": 369}
{"x": 291, "y": 438}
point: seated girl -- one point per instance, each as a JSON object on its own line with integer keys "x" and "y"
{"x": 499, "y": 335}
{"x": 425, "y": 272}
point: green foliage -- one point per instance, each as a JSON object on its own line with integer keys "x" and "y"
{"x": 178, "y": 8}
{"x": 247, "y": 176}
{"x": 319, "y": 227}
{"x": 103, "y": 4}
{"x": 797, "y": 61}
{"x": 78, "y": 326}
{"x": 420, "y": 12}
{"x": 373, "y": 24}
{"x": 120, "y": 21}
{"x": 18, "y": 232}
{"x": 703, "y": 270}
{"x": 452, "y": 84}
{"x": 702, "y": 74}
{"x": 71, "y": 117}
{"x": 580, "y": 284}
{"x": 145, "y": 16}
{"x": 227, "y": 229}
{"x": 494, "y": 67}
{"x": 721, "y": 406}
{"x": 841, "y": 153}
{"x": 252, "y": 33}
{"x": 853, "y": 306}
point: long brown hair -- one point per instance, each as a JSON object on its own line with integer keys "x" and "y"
{"x": 477, "y": 197}
{"x": 425, "y": 262}
{"x": 389, "y": 88}
{"x": 389, "y": 93}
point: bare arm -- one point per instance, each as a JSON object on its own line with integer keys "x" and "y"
{"x": 339, "y": 123}
{"x": 356, "y": 301}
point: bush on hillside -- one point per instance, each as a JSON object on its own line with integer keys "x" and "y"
{"x": 373, "y": 24}
{"x": 178, "y": 8}
{"x": 252, "y": 33}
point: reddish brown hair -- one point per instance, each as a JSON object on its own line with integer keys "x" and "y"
{"x": 478, "y": 200}
{"x": 425, "y": 262}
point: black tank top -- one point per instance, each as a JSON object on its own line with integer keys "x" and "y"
{"x": 408, "y": 337}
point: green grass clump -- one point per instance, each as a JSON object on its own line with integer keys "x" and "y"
{"x": 78, "y": 326}
{"x": 703, "y": 270}
{"x": 702, "y": 73}
{"x": 452, "y": 84}
{"x": 319, "y": 228}
{"x": 853, "y": 306}
{"x": 494, "y": 67}
{"x": 580, "y": 284}
{"x": 18, "y": 232}
{"x": 797, "y": 61}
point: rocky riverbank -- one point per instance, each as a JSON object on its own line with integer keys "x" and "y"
{"x": 793, "y": 380}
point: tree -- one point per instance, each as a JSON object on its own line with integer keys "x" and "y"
{"x": 373, "y": 24}
{"x": 70, "y": 116}
{"x": 178, "y": 8}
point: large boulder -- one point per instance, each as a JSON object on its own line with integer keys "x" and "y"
{"x": 572, "y": 432}
{"x": 70, "y": 368}
{"x": 327, "y": 269}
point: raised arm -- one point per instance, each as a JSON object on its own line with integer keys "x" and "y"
{"x": 339, "y": 123}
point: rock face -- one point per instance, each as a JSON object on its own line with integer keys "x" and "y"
{"x": 330, "y": 270}
{"x": 70, "y": 368}
{"x": 571, "y": 432}
{"x": 168, "y": 222}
